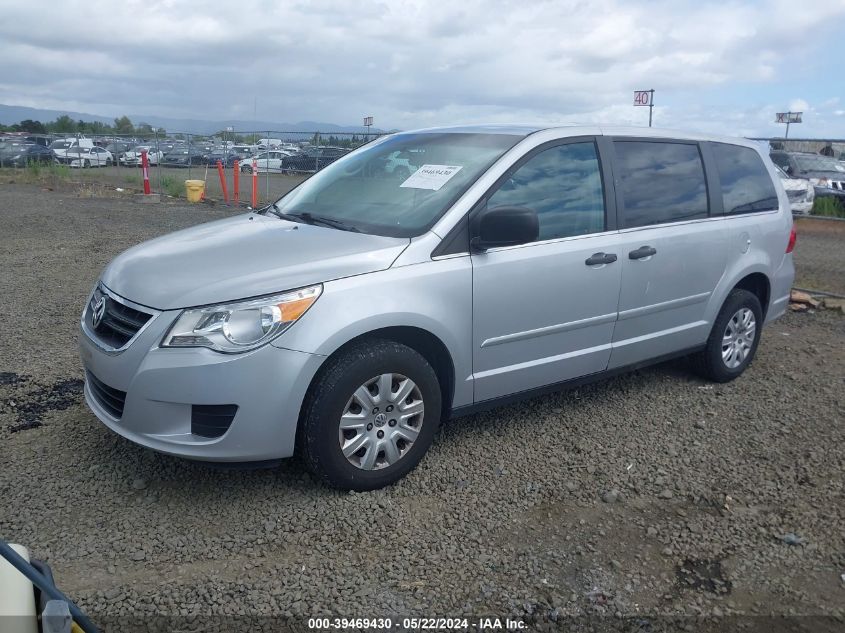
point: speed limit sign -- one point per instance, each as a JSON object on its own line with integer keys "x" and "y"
{"x": 643, "y": 97}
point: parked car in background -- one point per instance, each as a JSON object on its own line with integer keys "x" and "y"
{"x": 312, "y": 159}
{"x": 61, "y": 146}
{"x": 183, "y": 157}
{"x": 827, "y": 175}
{"x": 119, "y": 148}
{"x": 88, "y": 157}
{"x": 20, "y": 155}
{"x": 244, "y": 150}
{"x": 800, "y": 192}
{"x": 225, "y": 156}
{"x": 132, "y": 158}
{"x": 265, "y": 162}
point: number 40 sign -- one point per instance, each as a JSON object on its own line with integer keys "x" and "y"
{"x": 643, "y": 97}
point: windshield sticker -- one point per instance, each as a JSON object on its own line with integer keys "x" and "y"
{"x": 431, "y": 177}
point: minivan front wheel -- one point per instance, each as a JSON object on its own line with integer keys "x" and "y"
{"x": 734, "y": 338}
{"x": 370, "y": 416}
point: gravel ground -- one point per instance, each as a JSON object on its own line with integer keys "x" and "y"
{"x": 647, "y": 496}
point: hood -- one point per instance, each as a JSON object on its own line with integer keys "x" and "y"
{"x": 795, "y": 184}
{"x": 240, "y": 257}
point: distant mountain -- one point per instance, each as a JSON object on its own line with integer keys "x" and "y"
{"x": 14, "y": 114}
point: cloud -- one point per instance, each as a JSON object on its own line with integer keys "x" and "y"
{"x": 412, "y": 63}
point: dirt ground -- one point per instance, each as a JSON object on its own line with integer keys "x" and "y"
{"x": 170, "y": 181}
{"x": 647, "y": 502}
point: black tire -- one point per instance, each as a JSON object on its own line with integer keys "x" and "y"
{"x": 709, "y": 363}
{"x": 246, "y": 169}
{"x": 87, "y": 163}
{"x": 318, "y": 436}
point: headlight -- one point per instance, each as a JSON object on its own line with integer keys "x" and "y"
{"x": 821, "y": 182}
{"x": 242, "y": 326}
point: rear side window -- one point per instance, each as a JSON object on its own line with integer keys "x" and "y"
{"x": 746, "y": 184}
{"x": 660, "y": 182}
{"x": 563, "y": 185}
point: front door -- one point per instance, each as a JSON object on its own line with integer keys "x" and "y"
{"x": 544, "y": 312}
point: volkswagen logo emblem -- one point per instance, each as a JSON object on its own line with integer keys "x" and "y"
{"x": 98, "y": 309}
{"x": 381, "y": 419}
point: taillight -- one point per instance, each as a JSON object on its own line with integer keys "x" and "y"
{"x": 792, "y": 238}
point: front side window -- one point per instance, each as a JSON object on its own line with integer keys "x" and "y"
{"x": 660, "y": 182}
{"x": 360, "y": 190}
{"x": 563, "y": 185}
{"x": 746, "y": 184}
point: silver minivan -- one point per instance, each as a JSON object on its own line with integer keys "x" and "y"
{"x": 432, "y": 274}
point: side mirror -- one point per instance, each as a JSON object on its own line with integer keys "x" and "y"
{"x": 504, "y": 226}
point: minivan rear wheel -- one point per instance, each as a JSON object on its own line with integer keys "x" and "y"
{"x": 734, "y": 338}
{"x": 370, "y": 415}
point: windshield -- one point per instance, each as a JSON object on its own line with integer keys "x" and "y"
{"x": 818, "y": 163}
{"x": 400, "y": 186}
{"x": 60, "y": 144}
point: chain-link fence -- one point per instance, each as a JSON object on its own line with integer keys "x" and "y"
{"x": 269, "y": 162}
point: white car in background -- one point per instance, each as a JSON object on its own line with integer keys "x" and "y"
{"x": 132, "y": 158}
{"x": 266, "y": 162}
{"x": 89, "y": 157}
{"x": 800, "y": 192}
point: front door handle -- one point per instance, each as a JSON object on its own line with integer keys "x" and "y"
{"x": 642, "y": 252}
{"x": 597, "y": 259}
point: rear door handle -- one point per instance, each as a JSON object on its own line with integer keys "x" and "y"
{"x": 642, "y": 251}
{"x": 597, "y": 259}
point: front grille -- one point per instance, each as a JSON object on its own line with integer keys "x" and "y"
{"x": 119, "y": 323}
{"x": 111, "y": 399}
{"x": 212, "y": 420}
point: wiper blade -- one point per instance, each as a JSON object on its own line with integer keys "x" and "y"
{"x": 310, "y": 218}
{"x": 281, "y": 214}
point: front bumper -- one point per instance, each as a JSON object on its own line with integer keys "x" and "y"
{"x": 268, "y": 386}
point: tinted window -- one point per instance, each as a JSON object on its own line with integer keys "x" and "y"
{"x": 563, "y": 185}
{"x": 660, "y": 182}
{"x": 746, "y": 184}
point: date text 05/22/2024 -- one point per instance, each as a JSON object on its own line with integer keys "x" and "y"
{"x": 417, "y": 624}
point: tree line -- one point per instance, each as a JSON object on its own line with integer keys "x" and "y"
{"x": 66, "y": 125}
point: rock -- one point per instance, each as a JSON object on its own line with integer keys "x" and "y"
{"x": 111, "y": 594}
{"x": 139, "y": 555}
{"x": 140, "y": 484}
{"x": 651, "y": 531}
{"x": 796, "y": 296}
{"x": 798, "y": 307}
{"x": 666, "y": 494}
{"x": 700, "y": 424}
{"x": 269, "y": 525}
{"x": 834, "y": 303}
{"x": 792, "y": 539}
{"x": 611, "y": 496}
{"x": 571, "y": 486}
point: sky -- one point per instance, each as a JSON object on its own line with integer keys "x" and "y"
{"x": 715, "y": 66}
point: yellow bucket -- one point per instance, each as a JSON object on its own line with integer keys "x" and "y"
{"x": 194, "y": 190}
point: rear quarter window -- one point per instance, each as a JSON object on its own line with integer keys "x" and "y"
{"x": 746, "y": 184}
